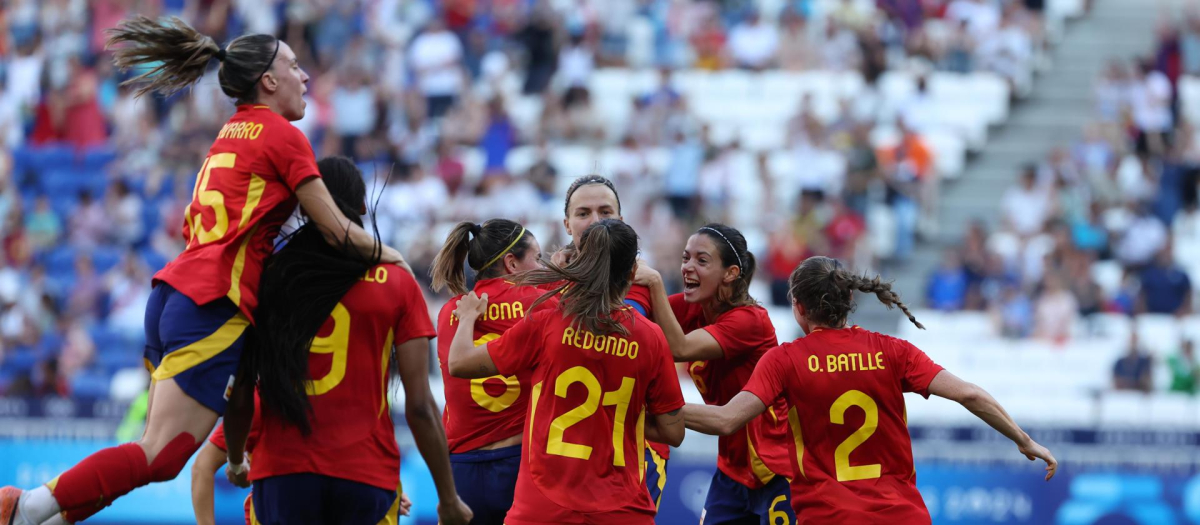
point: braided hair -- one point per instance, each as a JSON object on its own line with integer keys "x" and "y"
{"x": 826, "y": 290}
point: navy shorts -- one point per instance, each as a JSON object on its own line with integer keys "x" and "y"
{"x": 199, "y": 346}
{"x": 656, "y": 475}
{"x": 485, "y": 480}
{"x": 731, "y": 502}
{"x": 312, "y": 498}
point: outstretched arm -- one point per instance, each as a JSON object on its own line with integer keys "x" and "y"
{"x": 666, "y": 428}
{"x": 723, "y": 420}
{"x": 466, "y": 360}
{"x": 425, "y": 422}
{"x": 336, "y": 228}
{"x": 205, "y": 468}
{"x": 985, "y": 407}
{"x": 699, "y": 345}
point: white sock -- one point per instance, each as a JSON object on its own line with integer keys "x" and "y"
{"x": 36, "y": 506}
{"x": 56, "y": 519}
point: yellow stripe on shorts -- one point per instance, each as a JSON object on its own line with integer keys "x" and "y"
{"x": 185, "y": 358}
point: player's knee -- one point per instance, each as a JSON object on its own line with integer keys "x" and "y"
{"x": 173, "y": 456}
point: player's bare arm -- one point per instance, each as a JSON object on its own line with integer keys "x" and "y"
{"x": 338, "y": 231}
{"x": 239, "y": 414}
{"x": 985, "y": 407}
{"x": 699, "y": 345}
{"x": 667, "y": 428}
{"x": 207, "y": 463}
{"x": 425, "y": 420}
{"x": 726, "y": 419}
{"x": 466, "y": 360}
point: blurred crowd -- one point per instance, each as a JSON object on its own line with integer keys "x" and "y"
{"x": 422, "y": 94}
{"x": 1109, "y": 224}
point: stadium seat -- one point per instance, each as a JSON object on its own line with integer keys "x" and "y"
{"x": 1124, "y": 409}
{"x": 1173, "y": 410}
{"x": 97, "y": 158}
{"x": 128, "y": 383}
{"x": 90, "y": 384}
{"x": 1108, "y": 275}
{"x": 1159, "y": 334}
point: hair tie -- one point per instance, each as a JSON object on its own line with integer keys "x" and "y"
{"x": 731, "y": 247}
{"x": 220, "y": 55}
{"x": 504, "y": 251}
{"x": 476, "y": 229}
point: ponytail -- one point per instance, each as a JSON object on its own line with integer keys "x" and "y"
{"x": 179, "y": 55}
{"x": 484, "y": 254}
{"x": 300, "y": 287}
{"x": 826, "y": 290}
{"x": 595, "y": 282}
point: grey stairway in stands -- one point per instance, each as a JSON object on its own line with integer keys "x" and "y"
{"x": 1052, "y": 115}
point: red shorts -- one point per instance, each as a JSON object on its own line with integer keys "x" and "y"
{"x": 531, "y": 507}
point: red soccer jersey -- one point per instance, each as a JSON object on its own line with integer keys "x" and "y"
{"x": 584, "y": 443}
{"x": 846, "y": 390}
{"x": 244, "y": 193}
{"x": 483, "y": 411}
{"x": 352, "y": 433}
{"x": 641, "y": 295}
{"x": 761, "y": 449}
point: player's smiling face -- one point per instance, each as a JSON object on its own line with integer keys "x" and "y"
{"x": 590, "y": 203}
{"x": 703, "y": 271}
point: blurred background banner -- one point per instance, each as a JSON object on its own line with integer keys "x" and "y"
{"x": 1027, "y": 171}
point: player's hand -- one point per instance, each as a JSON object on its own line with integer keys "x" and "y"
{"x": 562, "y": 257}
{"x": 239, "y": 475}
{"x": 456, "y": 513}
{"x": 1035, "y": 451}
{"x": 471, "y": 306}
{"x": 405, "y": 504}
{"x": 646, "y": 276}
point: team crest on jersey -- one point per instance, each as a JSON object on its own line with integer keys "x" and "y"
{"x": 229, "y": 388}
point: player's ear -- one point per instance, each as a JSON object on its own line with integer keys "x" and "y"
{"x": 633, "y": 272}
{"x": 567, "y": 225}
{"x": 731, "y": 274}
{"x": 510, "y": 263}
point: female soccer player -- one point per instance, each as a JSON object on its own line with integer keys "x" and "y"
{"x": 721, "y": 332}
{"x": 326, "y": 449}
{"x": 257, "y": 170}
{"x": 599, "y": 368}
{"x": 331, "y": 437}
{"x": 484, "y": 416}
{"x": 593, "y": 198}
{"x": 847, "y": 386}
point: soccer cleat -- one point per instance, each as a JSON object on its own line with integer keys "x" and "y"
{"x": 10, "y": 498}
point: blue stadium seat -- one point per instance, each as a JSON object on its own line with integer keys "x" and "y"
{"x": 64, "y": 205}
{"x": 118, "y": 358}
{"x": 60, "y": 260}
{"x": 20, "y": 360}
{"x": 97, "y": 158}
{"x": 51, "y": 156}
{"x": 107, "y": 340}
{"x": 90, "y": 385}
{"x": 154, "y": 260}
{"x": 105, "y": 258}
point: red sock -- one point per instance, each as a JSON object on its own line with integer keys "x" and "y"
{"x": 96, "y": 481}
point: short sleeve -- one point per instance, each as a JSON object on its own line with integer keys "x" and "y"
{"x": 639, "y": 297}
{"x": 218, "y": 436}
{"x": 740, "y": 331}
{"x": 412, "y": 318}
{"x": 664, "y": 394}
{"x": 769, "y": 379}
{"x": 517, "y": 349}
{"x": 292, "y": 156}
{"x": 917, "y": 368}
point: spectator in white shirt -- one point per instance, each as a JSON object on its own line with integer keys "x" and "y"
{"x": 753, "y": 44}
{"x": 436, "y": 58}
{"x": 354, "y": 110}
{"x": 1150, "y": 102}
{"x": 1026, "y": 206}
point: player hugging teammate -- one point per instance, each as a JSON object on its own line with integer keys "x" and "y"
{"x": 561, "y": 389}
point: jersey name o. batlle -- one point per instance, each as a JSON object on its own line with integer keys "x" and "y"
{"x": 845, "y": 388}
